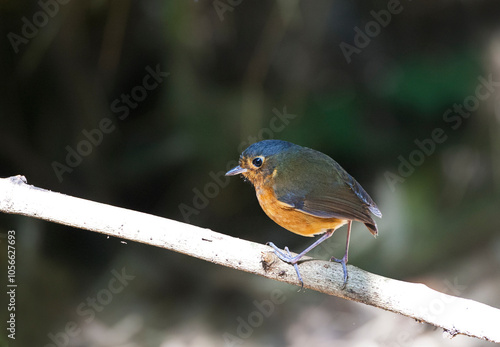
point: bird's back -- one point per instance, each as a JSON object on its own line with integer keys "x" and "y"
{"x": 315, "y": 184}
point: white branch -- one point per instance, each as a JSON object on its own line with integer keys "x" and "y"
{"x": 458, "y": 316}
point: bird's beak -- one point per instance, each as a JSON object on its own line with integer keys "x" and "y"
{"x": 236, "y": 171}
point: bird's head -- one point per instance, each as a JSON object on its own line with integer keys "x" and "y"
{"x": 258, "y": 162}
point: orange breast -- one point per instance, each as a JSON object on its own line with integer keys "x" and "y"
{"x": 289, "y": 218}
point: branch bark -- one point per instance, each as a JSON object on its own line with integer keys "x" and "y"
{"x": 457, "y": 316}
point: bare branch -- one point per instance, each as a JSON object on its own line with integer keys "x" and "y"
{"x": 459, "y": 316}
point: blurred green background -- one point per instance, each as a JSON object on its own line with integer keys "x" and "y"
{"x": 224, "y": 74}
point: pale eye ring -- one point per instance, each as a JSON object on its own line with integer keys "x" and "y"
{"x": 257, "y": 162}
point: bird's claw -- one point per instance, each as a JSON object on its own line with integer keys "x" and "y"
{"x": 288, "y": 258}
{"x": 342, "y": 261}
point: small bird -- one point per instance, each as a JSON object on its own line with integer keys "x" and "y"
{"x": 306, "y": 192}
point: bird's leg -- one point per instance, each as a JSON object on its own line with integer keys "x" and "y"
{"x": 296, "y": 267}
{"x": 343, "y": 261}
{"x": 293, "y": 260}
{"x": 288, "y": 258}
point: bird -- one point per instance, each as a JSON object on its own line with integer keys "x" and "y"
{"x": 306, "y": 192}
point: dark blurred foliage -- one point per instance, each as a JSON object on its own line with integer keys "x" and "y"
{"x": 232, "y": 78}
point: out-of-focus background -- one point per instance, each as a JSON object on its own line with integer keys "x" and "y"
{"x": 145, "y": 104}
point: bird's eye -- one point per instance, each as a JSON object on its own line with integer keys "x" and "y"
{"x": 257, "y": 162}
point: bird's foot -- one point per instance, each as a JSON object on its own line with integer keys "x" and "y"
{"x": 342, "y": 261}
{"x": 288, "y": 258}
